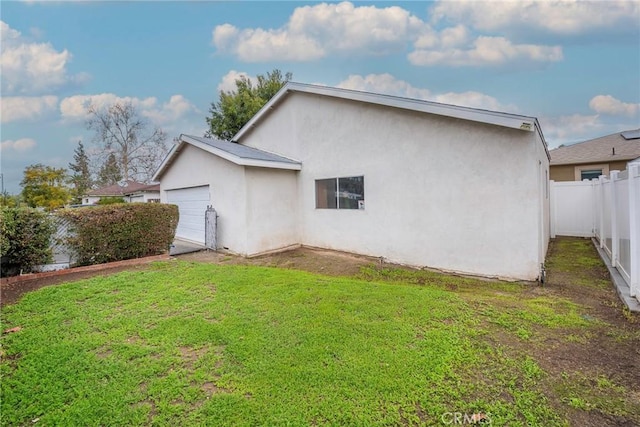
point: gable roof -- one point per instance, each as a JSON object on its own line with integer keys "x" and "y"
{"x": 609, "y": 148}
{"x": 116, "y": 190}
{"x": 509, "y": 120}
{"x": 231, "y": 151}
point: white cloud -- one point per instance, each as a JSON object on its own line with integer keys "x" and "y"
{"x": 228, "y": 82}
{"x": 384, "y": 83}
{"x": 23, "y": 144}
{"x": 75, "y": 107}
{"x": 32, "y": 68}
{"x": 607, "y": 104}
{"x": 389, "y": 85}
{"x": 313, "y": 32}
{"x": 487, "y": 51}
{"x": 176, "y": 108}
{"x": 474, "y": 100}
{"x": 24, "y": 107}
{"x": 565, "y": 17}
{"x": 176, "y": 115}
{"x": 571, "y": 128}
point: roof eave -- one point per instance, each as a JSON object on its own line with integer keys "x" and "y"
{"x": 595, "y": 161}
{"x": 167, "y": 161}
{"x": 241, "y": 161}
{"x": 482, "y": 116}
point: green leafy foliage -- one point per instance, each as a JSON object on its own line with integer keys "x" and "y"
{"x": 25, "y": 235}
{"x": 120, "y": 231}
{"x": 9, "y": 200}
{"x": 236, "y": 107}
{"x": 109, "y": 173}
{"x": 110, "y": 200}
{"x": 45, "y": 186}
{"x": 81, "y": 178}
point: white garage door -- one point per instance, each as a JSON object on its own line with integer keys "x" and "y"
{"x": 192, "y": 203}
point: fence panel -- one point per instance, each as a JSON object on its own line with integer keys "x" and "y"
{"x": 606, "y": 187}
{"x": 608, "y": 209}
{"x": 573, "y": 210}
{"x": 623, "y": 261}
{"x": 634, "y": 229}
{"x": 61, "y": 254}
{"x": 597, "y": 198}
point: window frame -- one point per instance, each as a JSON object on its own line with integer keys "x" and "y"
{"x": 579, "y": 169}
{"x": 336, "y": 180}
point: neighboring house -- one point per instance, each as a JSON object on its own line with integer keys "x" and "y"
{"x": 595, "y": 157}
{"x": 130, "y": 191}
{"x": 448, "y": 187}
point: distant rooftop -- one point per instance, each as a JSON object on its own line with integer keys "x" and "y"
{"x": 118, "y": 190}
{"x": 618, "y": 146}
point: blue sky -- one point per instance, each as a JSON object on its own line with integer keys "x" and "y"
{"x": 575, "y": 65}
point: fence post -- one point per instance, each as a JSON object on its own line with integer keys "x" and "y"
{"x": 614, "y": 219}
{"x": 594, "y": 195}
{"x": 634, "y": 228}
{"x": 553, "y": 220}
{"x": 601, "y": 207}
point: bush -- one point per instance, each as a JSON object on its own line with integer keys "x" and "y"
{"x": 110, "y": 200}
{"x": 25, "y": 236}
{"x": 121, "y": 231}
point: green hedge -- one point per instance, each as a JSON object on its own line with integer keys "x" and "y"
{"x": 25, "y": 235}
{"x": 121, "y": 231}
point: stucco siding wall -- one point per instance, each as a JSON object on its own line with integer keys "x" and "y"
{"x": 227, "y": 191}
{"x": 544, "y": 194}
{"x": 272, "y": 209}
{"x": 439, "y": 192}
{"x": 567, "y": 172}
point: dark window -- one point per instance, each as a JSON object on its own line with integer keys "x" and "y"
{"x": 326, "y": 191}
{"x": 590, "y": 174}
{"x": 340, "y": 193}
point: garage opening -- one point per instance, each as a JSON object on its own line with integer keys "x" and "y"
{"x": 192, "y": 204}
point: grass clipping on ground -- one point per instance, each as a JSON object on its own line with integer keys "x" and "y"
{"x": 193, "y": 344}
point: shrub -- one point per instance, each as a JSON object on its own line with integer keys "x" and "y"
{"x": 110, "y": 200}
{"x": 25, "y": 235}
{"x": 120, "y": 231}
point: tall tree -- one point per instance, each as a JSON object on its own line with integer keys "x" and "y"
{"x": 236, "y": 107}
{"x": 120, "y": 130}
{"x": 81, "y": 177}
{"x": 45, "y": 186}
{"x": 109, "y": 173}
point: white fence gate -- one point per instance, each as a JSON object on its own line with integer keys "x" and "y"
{"x": 607, "y": 209}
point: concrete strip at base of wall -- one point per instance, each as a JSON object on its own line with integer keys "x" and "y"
{"x": 69, "y": 271}
{"x": 621, "y": 286}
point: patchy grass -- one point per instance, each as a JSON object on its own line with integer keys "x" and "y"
{"x": 201, "y": 344}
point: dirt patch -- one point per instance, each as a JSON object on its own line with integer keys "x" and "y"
{"x": 331, "y": 263}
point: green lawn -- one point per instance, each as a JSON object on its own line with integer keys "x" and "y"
{"x": 201, "y": 344}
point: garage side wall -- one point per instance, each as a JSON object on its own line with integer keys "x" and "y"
{"x": 439, "y": 192}
{"x": 227, "y": 191}
{"x": 544, "y": 196}
{"x": 272, "y": 209}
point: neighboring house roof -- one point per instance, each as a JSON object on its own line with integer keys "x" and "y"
{"x": 610, "y": 148}
{"x": 231, "y": 151}
{"x": 514, "y": 121}
{"x": 116, "y": 190}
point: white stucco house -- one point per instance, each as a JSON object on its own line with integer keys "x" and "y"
{"x": 416, "y": 182}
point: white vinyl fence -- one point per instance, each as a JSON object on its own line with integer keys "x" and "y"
{"x": 607, "y": 209}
